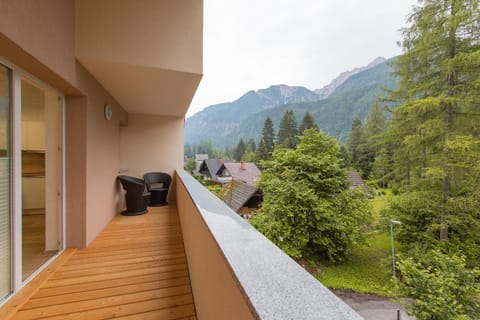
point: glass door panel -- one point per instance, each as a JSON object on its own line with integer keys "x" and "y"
{"x": 5, "y": 230}
{"x": 41, "y": 172}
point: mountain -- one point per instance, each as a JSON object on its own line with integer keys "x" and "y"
{"x": 326, "y": 91}
{"x": 224, "y": 124}
{"x": 216, "y": 122}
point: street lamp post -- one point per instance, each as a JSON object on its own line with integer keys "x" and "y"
{"x": 392, "y": 222}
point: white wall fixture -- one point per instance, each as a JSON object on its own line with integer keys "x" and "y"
{"x": 107, "y": 112}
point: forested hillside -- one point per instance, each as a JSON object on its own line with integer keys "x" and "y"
{"x": 334, "y": 115}
{"x": 216, "y": 122}
{"x": 224, "y": 124}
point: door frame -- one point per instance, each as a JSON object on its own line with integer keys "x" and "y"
{"x": 17, "y": 76}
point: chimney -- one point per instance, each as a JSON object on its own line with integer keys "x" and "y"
{"x": 243, "y": 165}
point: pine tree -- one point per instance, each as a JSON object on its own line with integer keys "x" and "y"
{"x": 376, "y": 124}
{"x": 343, "y": 157}
{"x": 436, "y": 127}
{"x": 268, "y": 135}
{"x": 369, "y": 141}
{"x": 288, "y": 131}
{"x": 240, "y": 150}
{"x": 204, "y": 147}
{"x": 251, "y": 145}
{"x": 261, "y": 153}
{"x": 355, "y": 140}
{"x": 308, "y": 123}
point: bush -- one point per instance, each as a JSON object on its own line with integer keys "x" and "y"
{"x": 442, "y": 287}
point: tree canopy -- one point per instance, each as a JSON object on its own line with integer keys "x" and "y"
{"x": 268, "y": 135}
{"x": 240, "y": 150}
{"x": 432, "y": 147}
{"x": 308, "y": 207}
{"x": 308, "y": 123}
{"x": 436, "y": 126}
{"x": 288, "y": 130}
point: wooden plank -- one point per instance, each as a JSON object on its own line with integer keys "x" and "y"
{"x": 152, "y": 230}
{"x": 88, "y": 265}
{"x": 119, "y": 268}
{"x": 135, "y": 269}
{"x": 8, "y": 310}
{"x": 125, "y": 310}
{"x": 174, "y": 295}
{"x": 154, "y": 244}
{"x": 140, "y": 246}
{"x": 131, "y": 242}
{"x": 38, "y": 302}
{"x": 57, "y": 291}
{"x": 167, "y": 314}
{"x": 112, "y": 276}
{"x": 120, "y": 257}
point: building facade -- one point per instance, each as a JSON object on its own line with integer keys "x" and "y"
{"x": 88, "y": 90}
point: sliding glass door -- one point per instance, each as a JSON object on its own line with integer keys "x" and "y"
{"x": 41, "y": 176}
{"x": 5, "y": 222}
{"x": 31, "y": 175}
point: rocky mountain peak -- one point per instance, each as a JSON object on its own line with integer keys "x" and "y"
{"x": 327, "y": 90}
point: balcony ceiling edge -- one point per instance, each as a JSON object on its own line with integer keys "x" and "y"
{"x": 144, "y": 89}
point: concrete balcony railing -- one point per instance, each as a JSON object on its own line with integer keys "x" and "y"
{"x": 236, "y": 273}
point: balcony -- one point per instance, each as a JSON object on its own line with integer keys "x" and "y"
{"x": 136, "y": 268}
{"x": 197, "y": 259}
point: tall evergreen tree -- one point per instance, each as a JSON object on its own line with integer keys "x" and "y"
{"x": 205, "y": 147}
{"x": 268, "y": 135}
{"x": 376, "y": 124}
{"x": 354, "y": 142}
{"x": 436, "y": 127}
{"x": 343, "y": 157}
{"x": 288, "y": 130}
{"x": 308, "y": 123}
{"x": 240, "y": 150}
{"x": 369, "y": 141}
{"x": 251, "y": 145}
{"x": 261, "y": 153}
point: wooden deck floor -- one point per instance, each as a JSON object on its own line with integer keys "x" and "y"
{"x": 135, "y": 269}
{"x": 33, "y": 243}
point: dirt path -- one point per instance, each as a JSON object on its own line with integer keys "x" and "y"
{"x": 372, "y": 307}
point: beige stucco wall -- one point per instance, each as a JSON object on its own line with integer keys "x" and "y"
{"x": 216, "y": 292}
{"x": 51, "y": 40}
{"x": 152, "y": 143}
{"x": 38, "y": 36}
{"x": 45, "y": 29}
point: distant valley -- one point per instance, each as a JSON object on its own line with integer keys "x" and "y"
{"x": 333, "y": 107}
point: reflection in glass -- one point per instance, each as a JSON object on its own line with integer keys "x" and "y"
{"x": 5, "y": 245}
{"x": 41, "y": 167}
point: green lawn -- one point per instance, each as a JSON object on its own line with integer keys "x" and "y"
{"x": 378, "y": 204}
{"x": 368, "y": 269}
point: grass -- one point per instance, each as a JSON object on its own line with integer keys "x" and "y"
{"x": 368, "y": 269}
{"x": 214, "y": 188}
{"x": 379, "y": 203}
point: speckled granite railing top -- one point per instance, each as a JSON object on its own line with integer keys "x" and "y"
{"x": 278, "y": 288}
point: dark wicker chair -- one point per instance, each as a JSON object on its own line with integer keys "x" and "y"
{"x": 137, "y": 198}
{"x": 157, "y": 184}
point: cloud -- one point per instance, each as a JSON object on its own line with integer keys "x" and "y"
{"x": 254, "y": 44}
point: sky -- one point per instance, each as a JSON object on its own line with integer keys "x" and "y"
{"x": 253, "y": 44}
